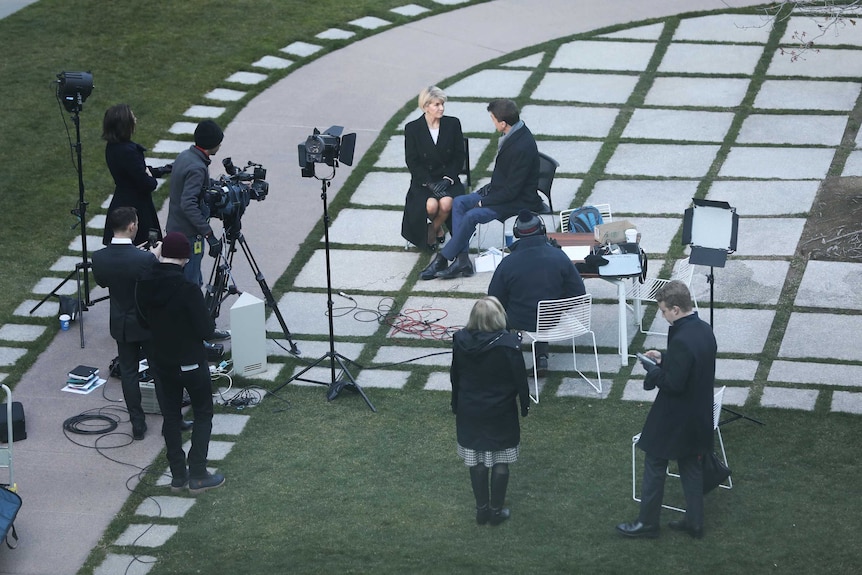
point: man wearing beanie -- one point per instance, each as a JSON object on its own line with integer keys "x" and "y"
{"x": 188, "y": 212}
{"x": 174, "y": 310}
{"x": 533, "y": 271}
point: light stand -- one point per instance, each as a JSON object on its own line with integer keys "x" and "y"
{"x": 73, "y": 88}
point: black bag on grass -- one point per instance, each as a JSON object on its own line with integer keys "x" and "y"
{"x": 715, "y": 471}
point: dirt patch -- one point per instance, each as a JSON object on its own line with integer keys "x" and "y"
{"x": 833, "y": 231}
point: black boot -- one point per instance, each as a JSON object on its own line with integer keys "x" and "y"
{"x": 499, "y": 483}
{"x": 437, "y": 264}
{"x": 462, "y": 266}
{"x": 479, "y": 482}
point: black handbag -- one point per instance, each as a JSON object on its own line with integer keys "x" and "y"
{"x": 10, "y": 503}
{"x": 715, "y": 472}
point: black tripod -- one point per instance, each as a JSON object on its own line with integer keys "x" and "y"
{"x": 221, "y": 282}
{"x": 345, "y": 379}
{"x": 82, "y": 268}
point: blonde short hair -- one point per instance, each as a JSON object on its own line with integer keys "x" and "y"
{"x": 430, "y": 94}
{"x": 488, "y": 315}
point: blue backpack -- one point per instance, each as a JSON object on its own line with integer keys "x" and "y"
{"x": 584, "y": 219}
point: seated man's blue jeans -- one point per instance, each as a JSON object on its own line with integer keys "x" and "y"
{"x": 466, "y": 215}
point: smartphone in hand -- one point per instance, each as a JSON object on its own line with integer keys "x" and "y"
{"x": 646, "y": 359}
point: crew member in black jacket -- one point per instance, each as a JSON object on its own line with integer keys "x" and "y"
{"x": 174, "y": 310}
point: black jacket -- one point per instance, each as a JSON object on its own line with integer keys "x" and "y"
{"x": 516, "y": 176}
{"x": 133, "y": 187}
{"x": 487, "y": 374}
{"x": 680, "y": 420}
{"x": 174, "y": 310}
{"x": 534, "y": 271}
{"x": 117, "y": 267}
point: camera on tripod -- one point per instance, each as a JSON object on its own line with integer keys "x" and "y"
{"x": 329, "y": 148}
{"x": 229, "y": 196}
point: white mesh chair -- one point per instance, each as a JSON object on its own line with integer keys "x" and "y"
{"x": 646, "y": 291}
{"x": 604, "y": 209}
{"x": 717, "y": 401}
{"x": 563, "y": 319}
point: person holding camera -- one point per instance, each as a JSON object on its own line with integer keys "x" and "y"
{"x": 434, "y": 151}
{"x": 133, "y": 186}
{"x": 188, "y": 212}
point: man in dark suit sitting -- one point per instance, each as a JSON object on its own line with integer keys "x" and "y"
{"x": 513, "y": 188}
{"x": 117, "y": 267}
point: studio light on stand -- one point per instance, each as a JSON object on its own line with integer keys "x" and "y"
{"x": 73, "y": 89}
{"x": 329, "y": 148}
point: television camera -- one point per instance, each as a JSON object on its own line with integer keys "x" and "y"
{"x": 229, "y": 196}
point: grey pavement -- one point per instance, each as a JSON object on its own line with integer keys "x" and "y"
{"x": 771, "y": 177}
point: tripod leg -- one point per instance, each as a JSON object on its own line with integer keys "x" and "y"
{"x": 80, "y": 305}
{"x": 351, "y": 383}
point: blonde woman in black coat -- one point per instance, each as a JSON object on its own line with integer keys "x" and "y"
{"x": 488, "y": 375}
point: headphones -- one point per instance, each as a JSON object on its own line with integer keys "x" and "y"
{"x": 533, "y": 227}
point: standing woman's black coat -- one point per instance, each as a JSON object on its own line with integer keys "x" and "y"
{"x": 429, "y": 162}
{"x": 487, "y": 374}
{"x": 133, "y": 188}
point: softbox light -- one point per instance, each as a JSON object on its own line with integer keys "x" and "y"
{"x": 710, "y": 228}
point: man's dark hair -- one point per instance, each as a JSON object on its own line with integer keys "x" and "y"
{"x": 118, "y": 124}
{"x": 120, "y": 218}
{"x": 675, "y": 293}
{"x": 505, "y": 111}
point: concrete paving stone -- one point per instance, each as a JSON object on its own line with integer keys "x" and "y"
{"x": 165, "y": 506}
{"x": 588, "y": 88}
{"x": 225, "y": 95}
{"x": 784, "y": 398}
{"x": 301, "y": 49}
{"x": 846, "y": 402}
{"x": 768, "y": 236}
{"x": 183, "y": 128}
{"x": 21, "y": 332}
{"x": 563, "y": 193}
{"x": 146, "y": 535}
{"x": 778, "y": 163}
{"x": 690, "y": 58}
{"x": 792, "y": 129}
{"x": 604, "y": 55}
{"x": 10, "y": 355}
{"x": 736, "y": 28}
{"x": 367, "y": 227}
{"x": 450, "y": 2}
{"x": 335, "y": 34}
{"x": 736, "y": 330}
{"x": 410, "y": 10}
{"x": 438, "y": 382}
{"x": 392, "y": 155}
{"x": 66, "y": 263}
{"x": 745, "y": 282}
{"x": 656, "y": 233}
{"x": 811, "y": 29}
{"x": 390, "y": 354}
{"x": 306, "y": 313}
{"x": 126, "y": 564}
{"x": 821, "y": 336}
{"x": 825, "y": 63}
{"x": 204, "y": 112}
{"x": 699, "y": 92}
{"x": 476, "y": 284}
{"x": 734, "y": 369}
{"x": 812, "y": 373}
{"x": 218, "y": 449}
{"x": 736, "y": 396}
{"x": 311, "y": 351}
{"x": 577, "y": 387}
{"x": 273, "y": 63}
{"x": 644, "y": 196}
{"x": 766, "y": 198}
{"x": 692, "y": 161}
{"x": 528, "y": 62}
{"x": 382, "y": 189}
{"x": 170, "y": 146}
{"x": 449, "y": 313}
{"x": 689, "y": 125}
{"x": 164, "y": 478}
{"x": 474, "y": 117}
{"x": 569, "y": 121}
{"x": 370, "y": 22}
{"x": 634, "y": 391}
{"x": 574, "y": 157}
{"x": 560, "y": 358}
{"x": 830, "y": 285}
{"x": 249, "y": 78}
{"x": 229, "y": 424}
{"x": 3, "y": 376}
{"x": 357, "y": 270}
{"x": 853, "y": 166}
{"x": 807, "y": 95}
{"x": 97, "y": 221}
{"x": 46, "y": 285}
{"x": 94, "y": 243}
{"x": 51, "y": 308}
{"x": 490, "y": 84}
{"x": 367, "y": 378}
{"x": 650, "y": 32}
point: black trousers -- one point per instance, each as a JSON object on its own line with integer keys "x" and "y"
{"x": 129, "y": 353}
{"x": 170, "y": 384}
{"x": 652, "y": 489}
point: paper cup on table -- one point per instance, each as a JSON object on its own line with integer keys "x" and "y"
{"x": 631, "y": 235}
{"x": 64, "y": 321}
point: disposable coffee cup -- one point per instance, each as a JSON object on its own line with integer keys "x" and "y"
{"x": 631, "y": 235}
{"x": 64, "y": 322}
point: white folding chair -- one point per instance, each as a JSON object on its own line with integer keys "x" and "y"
{"x": 563, "y": 319}
{"x": 646, "y": 291}
{"x": 604, "y": 209}
{"x": 717, "y": 401}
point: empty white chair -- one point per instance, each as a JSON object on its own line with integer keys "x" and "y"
{"x": 646, "y": 292}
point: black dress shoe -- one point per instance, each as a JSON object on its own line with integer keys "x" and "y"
{"x": 483, "y": 514}
{"x": 185, "y": 425}
{"x": 139, "y": 430}
{"x": 462, "y": 266}
{"x": 638, "y": 529}
{"x": 499, "y": 515}
{"x": 682, "y": 525}
{"x": 437, "y": 264}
